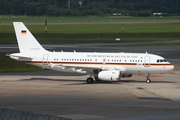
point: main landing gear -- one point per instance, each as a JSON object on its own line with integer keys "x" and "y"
{"x": 148, "y": 80}
{"x": 90, "y": 80}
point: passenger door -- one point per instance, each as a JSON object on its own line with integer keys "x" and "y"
{"x": 45, "y": 59}
{"x": 147, "y": 61}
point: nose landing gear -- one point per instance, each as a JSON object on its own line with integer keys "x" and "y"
{"x": 148, "y": 80}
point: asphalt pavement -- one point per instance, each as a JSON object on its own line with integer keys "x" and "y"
{"x": 68, "y": 95}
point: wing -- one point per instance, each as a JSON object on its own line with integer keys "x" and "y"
{"x": 77, "y": 68}
{"x": 87, "y": 68}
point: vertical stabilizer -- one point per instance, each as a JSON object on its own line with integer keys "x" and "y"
{"x": 26, "y": 41}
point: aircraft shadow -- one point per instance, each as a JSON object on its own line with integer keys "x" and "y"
{"x": 44, "y": 73}
{"x": 49, "y": 79}
{"x": 83, "y": 82}
{"x": 137, "y": 81}
{"x": 70, "y": 81}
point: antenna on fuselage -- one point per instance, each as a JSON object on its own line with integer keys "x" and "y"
{"x": 146, "y": 52}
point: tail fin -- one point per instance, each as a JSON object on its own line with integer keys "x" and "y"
{"x": 26, "y": 41}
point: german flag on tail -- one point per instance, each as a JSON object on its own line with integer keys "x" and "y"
{"x": 23, "y": 31}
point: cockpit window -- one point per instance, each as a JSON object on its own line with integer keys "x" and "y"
{"x": 161, "y": 60}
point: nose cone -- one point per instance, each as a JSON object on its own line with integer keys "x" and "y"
{"x": 170, "y": 67}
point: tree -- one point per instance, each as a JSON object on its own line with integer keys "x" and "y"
{"x": 89, "y": 7}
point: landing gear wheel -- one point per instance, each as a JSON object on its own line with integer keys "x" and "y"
{"x": 89, "y": 80}
{"x": 148, "y": 81}
{"x": 148, "y": 78}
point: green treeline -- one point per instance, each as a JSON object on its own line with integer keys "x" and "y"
{"x": 89, "y": 7}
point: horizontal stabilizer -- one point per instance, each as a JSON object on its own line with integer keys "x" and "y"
{"x": 20, "y": 55}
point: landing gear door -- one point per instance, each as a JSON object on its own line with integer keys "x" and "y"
{"x": 45, "y": 59}
{"x": 147, "y": 61}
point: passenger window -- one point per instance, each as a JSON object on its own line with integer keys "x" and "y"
{"x": 157, "y": 60}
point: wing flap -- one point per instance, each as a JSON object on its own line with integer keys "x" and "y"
{"x": 84, "y": 67}
{"x": 77, "y": 68}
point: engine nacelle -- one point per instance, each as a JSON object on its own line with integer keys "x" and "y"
{"x": 109, "y": 75}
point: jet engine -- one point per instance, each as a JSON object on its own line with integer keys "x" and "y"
{"x": 111, "y": 75}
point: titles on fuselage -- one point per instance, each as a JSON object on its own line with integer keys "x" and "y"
{"x": 113, "y": 56}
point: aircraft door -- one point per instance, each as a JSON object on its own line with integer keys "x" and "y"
{"x": 147, "y": 61}
{"x": 45, "y": 59}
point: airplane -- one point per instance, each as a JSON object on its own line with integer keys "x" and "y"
{"x": 101, "y": 66}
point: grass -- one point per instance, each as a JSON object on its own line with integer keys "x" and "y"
{"x": 11, "y": 19}
{"x": 100, "y": 28}
{"x": 10, "y": 65}
{"x": 84, "y": 33}
{"x": 56, "y": 38}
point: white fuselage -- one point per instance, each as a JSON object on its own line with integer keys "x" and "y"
{"x": 132, "y": 63}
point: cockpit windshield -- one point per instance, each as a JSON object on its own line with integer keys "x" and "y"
{"x": 161, "y": 60}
